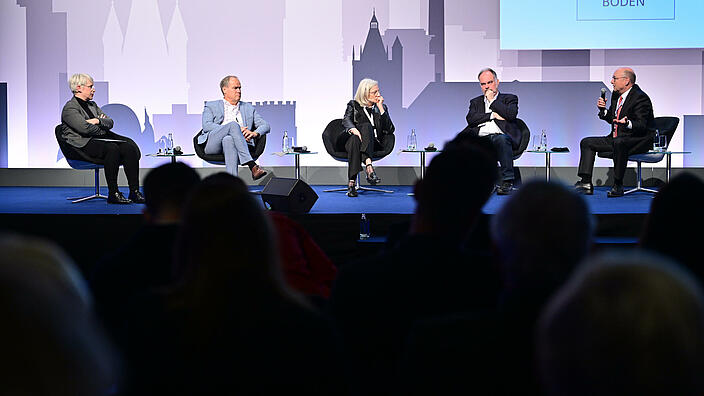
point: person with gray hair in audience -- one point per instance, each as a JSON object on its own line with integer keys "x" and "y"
{"x": 625, "y": 324}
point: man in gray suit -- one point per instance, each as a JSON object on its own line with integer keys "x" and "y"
{"x": 230, "y": 126}
{"x": 87, "y": 129}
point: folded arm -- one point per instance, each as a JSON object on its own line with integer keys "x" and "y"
{"x": 507, "y": 108}
{"x": 477, "y": 114}
{"x": 105, "y": 122}
{"x": 77, "y": 122}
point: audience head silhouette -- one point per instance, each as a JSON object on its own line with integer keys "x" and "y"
{"x": 166, "y": 189}
{"x": 51, "y": 343}
{"x": 226, "y": 246}
{"x": 625, "y": 324}
{"x": 541, "y": 233}
{"x": 446, "y": 205}
{"x": 675, "y": 210}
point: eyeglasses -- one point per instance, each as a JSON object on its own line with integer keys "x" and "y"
{"x": 616, "y": 78}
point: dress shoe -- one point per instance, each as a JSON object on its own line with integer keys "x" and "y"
{"x": 258, "y": 172}
{"x": 351, "y": 191}
{"x": 116, "y": 197}
{"x": 584, "y": 188}
{"x": 505, "y": 188}
{"x": 136, "y": 197}
{"x": 616, "y": 191}
{"x": 372, "y": 178}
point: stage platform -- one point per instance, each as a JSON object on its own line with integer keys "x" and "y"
{"x": 52, "y": 200}
{"x": 89, "y": 229}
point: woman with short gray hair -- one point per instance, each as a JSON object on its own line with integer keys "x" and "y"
{"x": 88, "y": 130}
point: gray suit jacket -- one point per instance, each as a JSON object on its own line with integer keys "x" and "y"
{"x": 76, "y": 131}
{"x": 214, "y": 114}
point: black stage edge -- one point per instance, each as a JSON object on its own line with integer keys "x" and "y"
{"x": 87, "y": 237}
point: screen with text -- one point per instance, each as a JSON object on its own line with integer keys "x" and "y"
{"x": 601, "y": 24}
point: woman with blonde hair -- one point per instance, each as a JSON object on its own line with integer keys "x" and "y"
{"x": 366, "y": 122}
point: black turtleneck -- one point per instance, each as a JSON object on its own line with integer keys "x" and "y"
{"x": 84, "y": 105}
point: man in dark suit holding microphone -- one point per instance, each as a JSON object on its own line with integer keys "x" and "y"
{"x": 493, "y": 115}
{"x": 631, "y": 118}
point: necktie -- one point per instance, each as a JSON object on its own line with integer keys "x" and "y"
{"x": 618, "y": 113}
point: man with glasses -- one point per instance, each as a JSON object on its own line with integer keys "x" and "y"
{"x": 230, "y": 127}
{"x": 630, "y": 116}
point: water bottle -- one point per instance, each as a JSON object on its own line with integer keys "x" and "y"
{"x": 170, "y": 144}
{"x": 284, "y": 145}
{"x": 544, "y": 141}
{"x": 656, "y": 140}
{"x": 412, "y": 140}
{"x": 364, "y": 227}
{"x": 161, "y": 146}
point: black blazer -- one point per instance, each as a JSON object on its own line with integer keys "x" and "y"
{"x": 637, "y": 108}
{"x": 506, "y": 105}
{"x": 354, "y": 115}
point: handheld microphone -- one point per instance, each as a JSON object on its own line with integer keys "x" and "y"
{"x": 603, "y": 93}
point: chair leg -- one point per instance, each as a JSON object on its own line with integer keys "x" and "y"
{"x": 358, "y": 187}
{"x": 639, "y": 181}
{"x": 95, "y": 195}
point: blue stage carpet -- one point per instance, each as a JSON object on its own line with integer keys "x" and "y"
{"x": 52, "y": 200}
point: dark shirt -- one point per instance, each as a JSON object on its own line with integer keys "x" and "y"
{"x": 84, "y": 105}
{"x": 256, "y": 345}
{"x": 140, "y": 265}
{"x": 375, "y": 303}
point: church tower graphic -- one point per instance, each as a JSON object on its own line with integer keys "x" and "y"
{"x": 145, "y": 67}
{"x": 374, "y": 63}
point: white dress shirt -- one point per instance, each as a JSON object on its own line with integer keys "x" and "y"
{"x": 623, "y": 95}
{"x": 489, "y": 127}
{"x": 232, "y": 113}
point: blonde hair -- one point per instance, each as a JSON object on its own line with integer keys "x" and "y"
{"x": 363, "y": 89}
{"x": 78, "y": 79}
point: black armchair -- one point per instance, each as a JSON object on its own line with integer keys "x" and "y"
{"x": 335, "y": 147}
{"x": 522, "y": 145}
{"x": 219, "y": 159}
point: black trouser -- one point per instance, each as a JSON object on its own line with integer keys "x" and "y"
{"x": 504, "y": 152}
{"x": 621, "y": 147}
{"x": 359, "y": 151}
{"x": 115, "y": 154}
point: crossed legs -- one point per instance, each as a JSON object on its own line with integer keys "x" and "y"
{"x": 230, "y": 141}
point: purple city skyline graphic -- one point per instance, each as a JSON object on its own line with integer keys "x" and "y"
{"x": 156, "y": 61}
